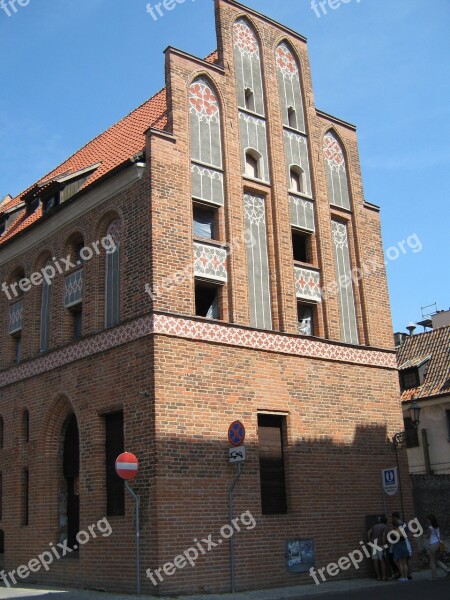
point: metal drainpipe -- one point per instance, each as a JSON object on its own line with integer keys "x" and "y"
{"x": 426, "y": 452}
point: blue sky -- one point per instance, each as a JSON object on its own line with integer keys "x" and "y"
{"x": 71, "y": 69}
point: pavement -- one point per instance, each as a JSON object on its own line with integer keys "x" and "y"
{"x": 354, "y": 588}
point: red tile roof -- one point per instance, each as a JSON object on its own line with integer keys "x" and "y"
{"x": 415, "y": 349}
{"x": 111, "y": 148}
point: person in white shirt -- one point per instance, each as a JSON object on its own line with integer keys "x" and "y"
{"x": 434, "y": 538}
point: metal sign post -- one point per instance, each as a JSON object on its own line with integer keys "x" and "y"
{"x": 138, "y": 546}
{"x": 127, "y": 466}
{"x": 236, "y": 437}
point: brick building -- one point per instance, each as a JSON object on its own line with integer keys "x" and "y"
{"x": 212, "y": 258}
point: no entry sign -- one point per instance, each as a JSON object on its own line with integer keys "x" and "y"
{"x": 236, "y": 434}
{"x": 127, "y": 466}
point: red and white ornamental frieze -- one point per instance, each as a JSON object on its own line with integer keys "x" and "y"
{"x": 186, "y": 328}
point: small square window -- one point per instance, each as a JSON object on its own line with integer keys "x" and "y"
{"x": 253, "y": 164}
{"x": 206, "y": 300}
{"x": 409, "y": 379}
{"x": 50, "y": 203}
{"x": 301, "y": 246}
{"x": 305, "y": 319}
{"x": 204, "y": 222}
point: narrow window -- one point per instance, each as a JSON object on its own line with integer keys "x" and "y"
{"x": 296, "y": 180}
{"x": 25, "y": 497}
{"x": 1, "y": 432}
{"x": 112, "y": 295}
{"x": 249, "y": 99}
{"x": 17, "y": 347}
{"x": 412, "y": 434}
{"x": 301, "y": 246}
{"x": 2, "y": 541}
{"x": 305, "y": 319}
{"x": 114, "y": 445}
{"x": 252, "y": 165}
{"x": 206, "y": 300}
{"x": 1, "y": 497}
{"x": 204, "y": 222}
{"x": 77, "y": 321}
{"x": 447, "y": 412}
{"x": 292, "y": 117}
{"x": 271, "y": 464}
{"x": 26, "y": 426}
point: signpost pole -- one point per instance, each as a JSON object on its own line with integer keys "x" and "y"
{"x": 230, "y": 500}
{"x": 138, "y": 549}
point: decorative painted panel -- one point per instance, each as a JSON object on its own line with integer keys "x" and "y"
{"x": 207, "y": 184}
{"x": 258, "y": 262}
{"x": 253, "y": 135}
{"x": 290, "y": 88}
{"x": 112, "y": 277}
{"x": 307, "y": 284}
{"x": 302, "y": 213}
{"x": 15, "y": 317}
{"x": 73, "y": 288}
{"x": 206, "y": 137}
{"x": 349, "y": 327}
{"x": 248, "y": 66}
{"x": 210, "y": 262}
{"x": 296, "y": 147}
{"x": 336, "y": 172}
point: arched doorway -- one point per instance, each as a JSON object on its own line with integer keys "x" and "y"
{"x": 69, "y": 500}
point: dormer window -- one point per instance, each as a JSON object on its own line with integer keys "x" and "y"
{"x": 409, "y": 379}
{"x": 50, "y": 203}
{"x": 2, "y": 227}
{"x": 249, "y": 99}
{"x": 32, "y": 206}
{"x": 292, "y": 117}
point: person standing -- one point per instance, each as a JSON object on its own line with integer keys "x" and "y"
{"x": 434, "y": 538}
{"x": 377, "y": 535}
{"x": 400, "y": 550}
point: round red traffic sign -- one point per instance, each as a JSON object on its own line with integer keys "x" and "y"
{"x": 236, "y": 434}
{"x": 127, "y": 466}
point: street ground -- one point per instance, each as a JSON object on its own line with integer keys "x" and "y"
{"x": 355, "y": 589}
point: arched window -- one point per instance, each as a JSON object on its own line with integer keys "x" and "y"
{"x": 297, "y": 180}
{"x": 26, "y": 426}
{"x": 112, "y": 285}
{"x": 45, "y": 314}
{"x": 252, "y": 164}
{"x": 336, "y": 172}
{"x": 290, "y": 88}
{"x": 248, "y": 66}
{"x": 206, "y": 142}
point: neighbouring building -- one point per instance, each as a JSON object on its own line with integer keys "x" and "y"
{"x": 210, "y": 257}
{"x": 424, "y": 371}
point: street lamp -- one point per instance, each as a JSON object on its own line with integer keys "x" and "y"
{"x": 400, "y": 438}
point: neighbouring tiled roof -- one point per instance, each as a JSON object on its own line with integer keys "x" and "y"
{"x": 111, "y": 148}
{"x": 414, "y": 351}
